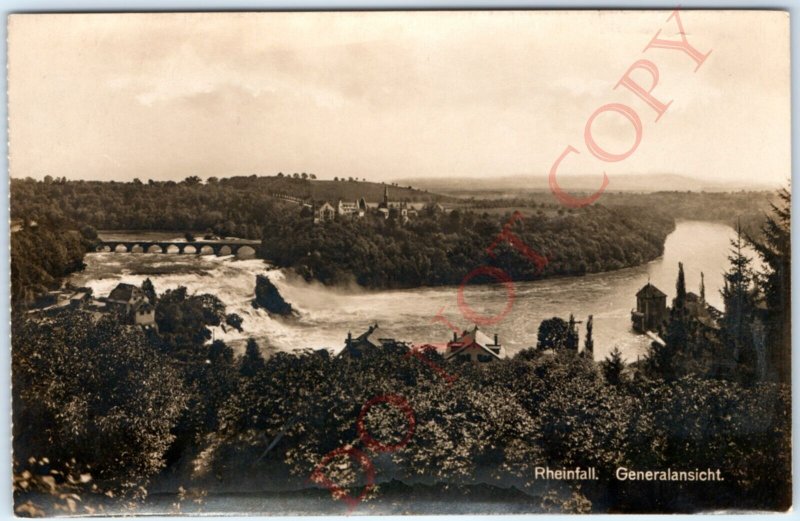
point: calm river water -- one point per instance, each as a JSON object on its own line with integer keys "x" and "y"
{"x": 327, "y": 314}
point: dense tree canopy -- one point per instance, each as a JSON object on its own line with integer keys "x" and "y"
{"x": 95, "y": 391}
{"x": 443, "y": 249}
{"x": 41, "y": 256}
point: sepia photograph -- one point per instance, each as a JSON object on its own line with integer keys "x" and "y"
{"x": 400, "y": 262}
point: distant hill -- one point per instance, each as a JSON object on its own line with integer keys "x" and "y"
{"x": 325, "y": 190}
{"x": 587, "y": 183}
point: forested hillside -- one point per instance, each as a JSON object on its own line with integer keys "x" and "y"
{"x": 437, "y": 248}
{"x": 229, "y": 206}
{"x": 433, "y": 248}
{"x": 41, "y": 255}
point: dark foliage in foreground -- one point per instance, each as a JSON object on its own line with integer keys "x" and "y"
{"x": 495, "y": 424}
{"x": 96, "y": 392}
{"x": 126, "y": 405}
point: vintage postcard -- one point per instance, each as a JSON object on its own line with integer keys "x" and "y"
{"x": 456, "y": 262}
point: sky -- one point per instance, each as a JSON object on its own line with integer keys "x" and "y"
{"x": 387, "y": 95}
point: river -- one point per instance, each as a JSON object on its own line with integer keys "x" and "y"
{"x": 327, "y": 314}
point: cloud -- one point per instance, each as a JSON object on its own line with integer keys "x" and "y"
{"x": 385, "y": 94}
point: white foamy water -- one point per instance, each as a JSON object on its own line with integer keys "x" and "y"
{"x": 325, "y": 315}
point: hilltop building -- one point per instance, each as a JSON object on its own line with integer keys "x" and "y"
{"x": 355, "y": 210}
{"x": 359, "y": 209}
{"x": 395, "y": 210}
{"x": 325, "y": 212}
{"x": 475, "y": 346}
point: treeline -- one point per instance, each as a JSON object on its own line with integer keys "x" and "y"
{"x": 700, "y": 206}
{"x": 235, "y": 206}
{"x": 228, "y": 207}
{"x": 438, "y": 248}
{"x": 724, "y": 207}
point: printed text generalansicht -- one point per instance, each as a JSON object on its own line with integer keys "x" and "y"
{"x": 624, "y": 474}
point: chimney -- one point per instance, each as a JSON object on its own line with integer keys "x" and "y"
{"x": 455, "y": 337}
{"x": 349, "y": 338}
{"x": 495, "y": 340}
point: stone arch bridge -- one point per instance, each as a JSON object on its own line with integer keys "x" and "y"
{"x": 218, "y": 248}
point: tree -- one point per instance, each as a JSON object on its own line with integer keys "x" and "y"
{"x": 572, "y": 340}
{"x": 220, "y": 353}
{"x": 192, "y": 180}
{"x": 183, "y": 323}
{"x": 613, "y": 366}
{"x": 666, "y": 360}
{"x": 89, "y": 232}
{"x": 213, "y": 181}
{"x": 738, "y": 295}
{"x": 775, "y": 283}
{"x": 234, "y": 320}
{"x": 252, "y": 361}
{"x": 588, "y": 345}
{"x": 189, "y": 236}
{"x": 680, "y": 289}
{"x": 702, "y": 287}
{"x": 95, "y": 391}
{"x": 149, "y": 290}
{"x": 312, "y": 176}
{"x": 304, "y": 175}
{"x": 553, "y": 334}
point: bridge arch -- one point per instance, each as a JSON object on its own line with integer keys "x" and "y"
{"x": 245, "y": 252}
{"x": 239, "y": 249}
